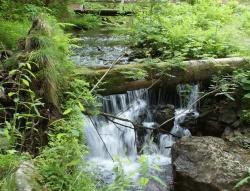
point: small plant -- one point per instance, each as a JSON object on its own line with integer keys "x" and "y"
{"x": 21, "y": 127}
{"x": 243, "y": 181}
{"x": 122, "y": 181}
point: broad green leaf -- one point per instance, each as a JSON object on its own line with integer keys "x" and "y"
{"x": 11, "y": 151}
{"x": 229, "y": 96}
{"x": 73, "y": 162}
{"x": 26, "y": 82}
{"x": 242, "y": 182}
{"x": 247, "y": 96}
{"x": 11, "y": 94}
{"x": 67, "y": 111}
{"x": 29, "y": 66}
{"x": 80, "y": 106}
{"x": 12, "y": 72}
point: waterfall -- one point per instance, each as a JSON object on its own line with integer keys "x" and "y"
{"x": 188, "y": 105}
{"x": 111, "y": 139}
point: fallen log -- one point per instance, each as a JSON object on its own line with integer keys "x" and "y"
{"x": 104, "y": 12}
{"x": 120, "y": 79}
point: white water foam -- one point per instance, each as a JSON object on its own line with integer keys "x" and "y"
{"x": 108, "y": 139}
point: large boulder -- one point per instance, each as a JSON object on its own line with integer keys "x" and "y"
{"x": 208, "y": 164}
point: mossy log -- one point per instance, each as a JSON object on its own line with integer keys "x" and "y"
{"x": 123, "y": 78}
{"x": 104, "y": 12}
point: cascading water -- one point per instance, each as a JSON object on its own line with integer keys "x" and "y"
{"x": 112, "y": 138}
{"x": 188, "y": 106}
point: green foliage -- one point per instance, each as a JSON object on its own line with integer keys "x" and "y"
{"x": 11, "y": 32}
{"x": 66, "y": 172}
{"x": 204, "y": 29}
{"x": 84, "y": 21}
{"x": 48, "y": 49}
{"x": 60, "y": 162}
{"x": 25, "y": 108}
{"x": 80, "y": 95}
{"x": 122, "y": 181}
{"x": 243, "y": 181}
{"x": 9, "y": 162}
{"x": 134, "y": 73}
{"x": 224, "y": 85}
{"x": 41, "y": 75}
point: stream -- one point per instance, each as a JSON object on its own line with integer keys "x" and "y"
{"x": 114, "y": 143}
{"x": 100, "y": 48}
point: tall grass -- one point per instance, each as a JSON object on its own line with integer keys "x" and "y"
{"x": 11, "y": 32}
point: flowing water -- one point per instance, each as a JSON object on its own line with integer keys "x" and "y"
{"x": 110, "y": 139}
{"x": 100, "y": 48}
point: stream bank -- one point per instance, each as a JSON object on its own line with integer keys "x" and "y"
{"x": 109, "y": 138}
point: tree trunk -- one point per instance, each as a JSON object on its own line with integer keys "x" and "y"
{"x": 161, "y": 74}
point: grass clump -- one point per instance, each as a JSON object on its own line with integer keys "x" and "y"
{"x": 11, "y": 32}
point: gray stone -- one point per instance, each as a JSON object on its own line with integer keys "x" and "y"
{"x": 3, "y": 140}
{"x": 208, "y": 164}
{"x": 27, "y": 177}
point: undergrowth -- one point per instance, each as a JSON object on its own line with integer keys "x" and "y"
{"x": 204, "y": 29}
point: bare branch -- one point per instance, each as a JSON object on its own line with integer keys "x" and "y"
{"x": 101, "y": 139}
{"x": 100, "y": 80}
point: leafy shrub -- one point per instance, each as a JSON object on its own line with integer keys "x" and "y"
{"x": 204, "y": 29}
{"x": 60, "y": 162}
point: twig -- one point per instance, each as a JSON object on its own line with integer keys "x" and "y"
{"x": 196, "y": 101}
{"x": 135, "y": 125}
{"x": 101, "y": 139}
{"x": 104, "y": 75}
{"x": 118, "y": 123}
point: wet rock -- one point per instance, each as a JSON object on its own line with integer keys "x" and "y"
{"x": 215, "y": 115}
{"x": 190, "y": 122}
{"x": 161, "y": 180}
{"x": 163, "y": 113}
{"x": 208, "y": 164}
{"x": 137, "y": 54}
{"x": 238, "y": 137}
